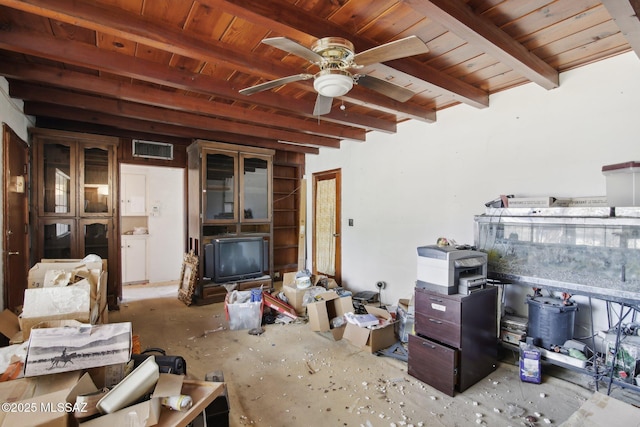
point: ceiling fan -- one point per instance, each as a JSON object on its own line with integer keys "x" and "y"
{"x": 339, "y": 66}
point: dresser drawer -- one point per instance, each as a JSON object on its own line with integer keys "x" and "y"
{"x": 433, "y": 363}
{"x": 437, "y": 306}
{"x": 439, "y": 330}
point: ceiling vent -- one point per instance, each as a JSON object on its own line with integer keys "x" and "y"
{"x": 152, "y": 150}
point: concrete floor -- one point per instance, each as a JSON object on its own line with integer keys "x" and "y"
{"x": 291, "y": 376}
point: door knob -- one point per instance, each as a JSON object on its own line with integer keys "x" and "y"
{"x": 13, "y": 253}
{"x": 336, "y": 235}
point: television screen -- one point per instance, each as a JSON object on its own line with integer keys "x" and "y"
{"x": 235, "y": 259}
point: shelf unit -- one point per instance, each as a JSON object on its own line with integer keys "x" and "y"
{"x": 589, "y": 251}
{"x": 288, "y": 170}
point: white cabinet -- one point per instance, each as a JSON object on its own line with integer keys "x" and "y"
{"x": 133, "y": 194}
{"x": 134, "y": 258}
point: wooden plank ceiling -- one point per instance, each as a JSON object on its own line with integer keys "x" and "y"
{"x": 170, "y": 70}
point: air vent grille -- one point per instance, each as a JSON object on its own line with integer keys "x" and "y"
{"x": 152, "y": 150}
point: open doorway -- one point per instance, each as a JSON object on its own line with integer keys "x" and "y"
{"x": 152, "y": 225}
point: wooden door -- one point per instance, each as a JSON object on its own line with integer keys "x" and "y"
{"x": 16, "y": 214}
{"x": 327, "y": 246}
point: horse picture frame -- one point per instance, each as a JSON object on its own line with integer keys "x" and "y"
{"x": 188, "y": 278}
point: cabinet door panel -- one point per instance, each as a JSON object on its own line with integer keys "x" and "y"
{"x": 256, "y": 189}
{"x": 57, "y": 237}
{"x": 433, "y": 364}
{"x": 58, "y": 180}
{"x": 134, "y": 194}
{"x": 96, "y": 191}
{"x": 220, "y": 187}
{"x": 96, "y": 237}
{"x": 134, "y": 259}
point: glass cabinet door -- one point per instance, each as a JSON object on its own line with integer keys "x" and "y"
{"x": 96, "y": 191}
{"x": 58, "y": 238}
{"x": 95, "y": 237}
{"x": 255, "y": 184}
{"x": 58, "y": 180}
{"x": 220, "y": 187}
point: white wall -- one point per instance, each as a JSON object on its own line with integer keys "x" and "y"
{"x": 429, "y": 180}
{"x": 11, "y": 114}
{"x": 166, "y": 241}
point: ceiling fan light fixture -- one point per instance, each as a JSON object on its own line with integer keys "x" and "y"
{"x": 333, "y": 83}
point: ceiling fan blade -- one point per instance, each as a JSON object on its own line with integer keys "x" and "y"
{"x": 323, "y": 105}
{"x": 402, "y": 48}
{"x": 295, "y": 48}
{"x": 274, "y": 83}
{"x": 386, "y": 88}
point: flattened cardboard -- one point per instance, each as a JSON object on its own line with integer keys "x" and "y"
{"x": 602, "y": 410}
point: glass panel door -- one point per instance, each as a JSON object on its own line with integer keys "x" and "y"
{"x": 220, "y": 189}
{"x": 58, "y": 180}
{"x": 58, "y": 241}
{"x": 256, "y": 189}
{"x": 95, "y": 181}
{"x": 95, "y": 237}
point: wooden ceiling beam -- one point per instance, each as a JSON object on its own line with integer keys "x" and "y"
{"x": 460, "y": 19}
{"x": 132, "y": 110}
{"x": 91, "y": 57}
{"x": 281, "y": 14}
{"x": 173, "y": 101}
{"x": 77, "y": 114}
{"x": 132, "y": 27}
{"x": 626, "y": 14}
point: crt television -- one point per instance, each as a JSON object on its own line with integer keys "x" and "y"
{"x": 237, "y": 258}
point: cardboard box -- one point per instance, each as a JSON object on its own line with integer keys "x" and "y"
{"x": 52, "y": 303}
{"x": 50, "y": 399}
{"x": 10, "y": 326}
{"x": 295, "y": 295}
{"x": 374, "y": 339}
{"x": 324, "y": 281}
{"x": 329, "y": 305}
{"x": 595, "y": 201}
{"x": 38, "y": 272}
{"x": 77, "y": 346}
{"x": 85, "y": 300}
{"x": 537, "y": 202}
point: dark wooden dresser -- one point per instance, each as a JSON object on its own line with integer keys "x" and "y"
{"x": 455, "y": 344}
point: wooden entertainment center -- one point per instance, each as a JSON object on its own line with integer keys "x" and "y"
{"x": 229, "y": 196}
